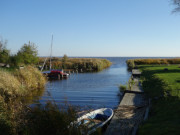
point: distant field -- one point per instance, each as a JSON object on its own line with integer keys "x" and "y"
{"x": 162, "y": 84}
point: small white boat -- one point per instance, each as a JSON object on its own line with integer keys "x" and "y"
{"x": 95, "y": 119}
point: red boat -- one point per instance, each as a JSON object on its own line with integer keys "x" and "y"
{"x": 57, "y": 74}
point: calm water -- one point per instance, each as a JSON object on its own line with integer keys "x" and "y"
{"x": 93, "y": 90}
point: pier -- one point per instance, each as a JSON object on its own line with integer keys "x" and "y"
{"x": 132, "y": 110}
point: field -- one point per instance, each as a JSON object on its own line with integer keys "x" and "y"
{"x": 162, "y": 85}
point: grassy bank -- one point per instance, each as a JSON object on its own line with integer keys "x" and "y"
{"x": 162, "y": 84}
{"x": 86, "y": 64}
{"x": 14, "y": 85}
{"x": 17, "y": 118}
{"x": 135, "y": 62}
{"x": 20, "y": 82}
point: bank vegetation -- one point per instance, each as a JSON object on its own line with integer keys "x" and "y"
{"x": 132, "y": 63}
{"x": 79, "y": 64}
{"x": 162, "y": 84}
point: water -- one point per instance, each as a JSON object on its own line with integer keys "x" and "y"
{"x": 92, "y": 90}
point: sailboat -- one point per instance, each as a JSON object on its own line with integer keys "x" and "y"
{"x": 53, "y": 73}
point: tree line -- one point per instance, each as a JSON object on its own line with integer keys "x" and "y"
{"x": 27, "y": 54}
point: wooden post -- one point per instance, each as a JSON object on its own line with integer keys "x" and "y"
{"x": 59, "y": 76}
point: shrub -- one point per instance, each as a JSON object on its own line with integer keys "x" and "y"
{"x": 122, "y": 88}
{"x": 50, "y": 120}
{"x": 130, "y": 64}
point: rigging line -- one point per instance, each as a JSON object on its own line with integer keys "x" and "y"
{"x": 51, "y": 52}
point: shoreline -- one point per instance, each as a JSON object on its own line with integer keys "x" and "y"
{"x": 131, "y": 112}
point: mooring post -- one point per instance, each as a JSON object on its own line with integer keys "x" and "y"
{"x": 59, "y": 76}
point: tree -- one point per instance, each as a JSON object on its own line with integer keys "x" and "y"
{"x": 177, "y": 4}
{"x": 64, "y": 60}
{"x": 4, "y": 53}
{"x": 28, "y": 54}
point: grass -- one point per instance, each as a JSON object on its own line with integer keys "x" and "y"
{"x": 17, "y": 118}
{"x": 20, "y": 82}
{"x": 132, "y": 63}
{"x": 161, "y": 83}
{"x": 86, "y": 64}
{"x": 122, "y": 88}
{"x": 15, "y": 85}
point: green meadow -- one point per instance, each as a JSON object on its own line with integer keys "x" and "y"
{"x": 162, "y": 85}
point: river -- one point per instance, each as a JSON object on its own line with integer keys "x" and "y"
{"x": 94, "y": 90}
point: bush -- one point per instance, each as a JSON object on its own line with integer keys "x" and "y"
{"x": 28, "y": 54}
{"x": 122, "y": 88}
{"x": 130, "y": 64}
{"x": 50, "y": 120}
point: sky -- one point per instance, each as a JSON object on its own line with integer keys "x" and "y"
{"x": 92, "y": 27}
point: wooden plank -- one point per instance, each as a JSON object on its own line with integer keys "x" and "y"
{"x": 136, "y": 72}
{"x": 130, "y": 112}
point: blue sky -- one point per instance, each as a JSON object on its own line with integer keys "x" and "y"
{"x": 92, "y": 27}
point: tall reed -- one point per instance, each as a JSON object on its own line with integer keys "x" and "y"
{"x": 85, "y": 64}
{"x": 133, "y": 62}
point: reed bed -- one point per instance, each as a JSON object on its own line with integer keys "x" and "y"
{"x": 134, "y": 62}
{"x": 10, "y": 86}
{"x": 31, "y": 78}
{"x": 20, "y": 82}
{"x": 13, "y": 86}
{"x": 85, "y": 64}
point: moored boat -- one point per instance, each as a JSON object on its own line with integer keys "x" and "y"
{"x": 95, "y": 119}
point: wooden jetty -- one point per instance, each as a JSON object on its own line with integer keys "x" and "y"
{"x": 130, "y": 112}
{"x": 136, "y": 73}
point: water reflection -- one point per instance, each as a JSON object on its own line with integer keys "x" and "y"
{"x": 93, "y": 90}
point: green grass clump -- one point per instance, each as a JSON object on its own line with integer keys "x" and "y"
{"x": 122, "y": 88}
{"x": 130, "y": 64}
{"x": 162, "y": 85}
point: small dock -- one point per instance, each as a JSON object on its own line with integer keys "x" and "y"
{"x": 131, "y": 110}
{"x": 136, "y": 73}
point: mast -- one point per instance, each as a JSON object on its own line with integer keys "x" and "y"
{"x": 50, "y": 66}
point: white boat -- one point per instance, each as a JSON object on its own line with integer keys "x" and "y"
{"x": 95, "y": 119}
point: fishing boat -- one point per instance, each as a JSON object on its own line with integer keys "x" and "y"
{"x": 95, "y": 119}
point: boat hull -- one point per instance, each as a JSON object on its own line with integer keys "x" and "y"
{"x": 95, "y": 119}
